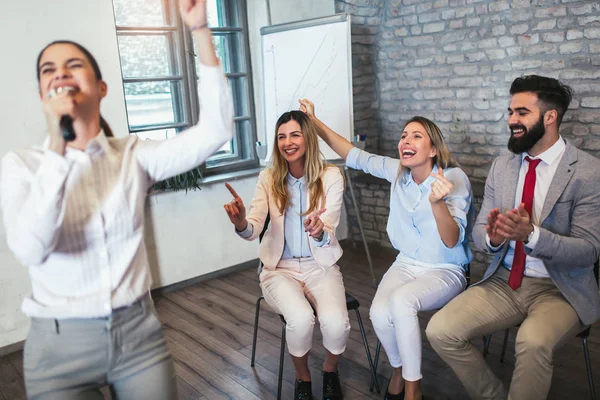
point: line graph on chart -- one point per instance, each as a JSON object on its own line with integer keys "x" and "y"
{"x": 313, "y": 62}
{"x": 313, "y": 81}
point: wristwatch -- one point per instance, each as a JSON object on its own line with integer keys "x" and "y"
{"x": 530, "y": 236}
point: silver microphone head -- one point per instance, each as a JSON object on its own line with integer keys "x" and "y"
{"x": 56, "y": 91}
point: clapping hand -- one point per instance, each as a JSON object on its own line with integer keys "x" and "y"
{"x": 514, "y": 224}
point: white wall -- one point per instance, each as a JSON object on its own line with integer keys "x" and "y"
{"x": 187, "y": 235}
{"x": 192, "y": 234}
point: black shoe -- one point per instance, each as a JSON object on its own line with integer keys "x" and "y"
{"x": 332, "y": 390}
{"x": 388, "y": 396}
{"x": 303, "y": 390}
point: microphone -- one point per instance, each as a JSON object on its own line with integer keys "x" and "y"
{"x": 66, "y": 121}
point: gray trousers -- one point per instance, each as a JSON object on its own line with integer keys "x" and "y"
{"x": 73, "y": 358}
{"x": 547, "y": 322}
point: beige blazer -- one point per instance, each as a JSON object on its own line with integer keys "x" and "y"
{"x": 272, "y": 244}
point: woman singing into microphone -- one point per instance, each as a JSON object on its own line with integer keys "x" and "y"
{"x": 74, "y": 214}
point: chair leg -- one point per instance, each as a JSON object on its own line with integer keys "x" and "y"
{"x": 366, "y": 343}
{"x": 281, "y": 360}
{"x": 486, "y": 344}
{"x": 504, "y": 344}
{"x": 376, "y": 362}
{"x": 256, "y": 313}
{"x": 588, "y": 364}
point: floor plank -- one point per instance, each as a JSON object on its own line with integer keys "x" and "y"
{"x": 209, "y": 328}
{"x": 11, "y": 380}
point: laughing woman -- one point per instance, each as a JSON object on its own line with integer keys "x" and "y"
{"x": 303, "y": 197}
{"x": 429, "y": 224}
{"x": 74, "y": 214}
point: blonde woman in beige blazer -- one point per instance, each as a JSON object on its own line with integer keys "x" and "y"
{"x": 302, "y": 195}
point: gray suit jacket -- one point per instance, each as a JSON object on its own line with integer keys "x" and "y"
{"x": 569, "y": 242}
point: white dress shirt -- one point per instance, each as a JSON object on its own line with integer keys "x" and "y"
{"x": 77, "y": 221}
{"x": 545, "y": 171}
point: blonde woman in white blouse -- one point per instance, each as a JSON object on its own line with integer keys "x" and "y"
{"x": 74, "y": 214}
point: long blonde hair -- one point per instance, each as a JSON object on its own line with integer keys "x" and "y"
{"x": 443, "y": 157}
{"x": 314, "y": 165}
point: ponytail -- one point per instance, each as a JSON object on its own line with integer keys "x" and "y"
{"x": 106, "y": 128}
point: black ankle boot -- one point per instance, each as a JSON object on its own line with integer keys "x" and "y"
{"x": 332, "y": 390}
{"x": 303, "y": 390}
{"x": 388, "y": 396}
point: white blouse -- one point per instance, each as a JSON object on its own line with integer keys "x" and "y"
{"x": 77, "y": 221}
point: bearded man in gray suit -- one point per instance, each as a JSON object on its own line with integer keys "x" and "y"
{"x": 540, "y": 217}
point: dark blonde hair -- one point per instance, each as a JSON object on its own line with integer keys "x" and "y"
{"x": 314, "y": 164}
{"x": 443, "y": 157}
{"x": 103, "y": 124}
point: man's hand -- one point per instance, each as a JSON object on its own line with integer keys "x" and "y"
{"x": 491, "y": 228}
{"x": 514, "y": 224}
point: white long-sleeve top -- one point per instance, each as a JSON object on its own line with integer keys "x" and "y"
{"x": 77, "y": 221}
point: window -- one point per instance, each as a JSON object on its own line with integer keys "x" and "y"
{"x": 159, "y": 69}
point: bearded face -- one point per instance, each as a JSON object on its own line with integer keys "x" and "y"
{"x": 523, "y": 138}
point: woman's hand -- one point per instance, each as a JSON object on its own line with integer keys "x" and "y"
{"x": 307, "y": 107}
{"x": 313, "y": 224}
{"x": 441, "y": 187}
{"x": 55, "y": 107}
{"x": 337, "y": 143}
{"x": 193, "y": 12}
{"x": 236, "y": 210}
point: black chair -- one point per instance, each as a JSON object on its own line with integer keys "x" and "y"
{"x": 378, "y": 348}
{"x": 351, "y": 303}
{"x": 583, "y": 335}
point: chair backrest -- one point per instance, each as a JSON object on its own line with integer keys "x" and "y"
{"x": 468, "y": 274}
{"x": 267, "y": 221}
{"x": 262, "y": 233}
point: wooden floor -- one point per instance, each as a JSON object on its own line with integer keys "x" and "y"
{"x": 209, "y": 329}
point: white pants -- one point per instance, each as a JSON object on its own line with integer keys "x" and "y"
{"x": 288, "y": 290}
{"x": 407, "y": 288}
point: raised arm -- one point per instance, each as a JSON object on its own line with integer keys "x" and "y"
{"x": 339, "y": 144}
{"x": 379, "y": 166}
{"x": 193, "y": 12}
{"x": 166, "y": 158}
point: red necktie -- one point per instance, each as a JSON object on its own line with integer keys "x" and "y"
{"x": 518, "y": 265}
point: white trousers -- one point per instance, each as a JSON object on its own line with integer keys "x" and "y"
{"x": 407, "y": 288}
{"x": 288, "y": 290}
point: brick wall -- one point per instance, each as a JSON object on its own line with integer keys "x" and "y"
{"x": 453, "y": 61}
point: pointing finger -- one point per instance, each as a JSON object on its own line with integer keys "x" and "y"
{"x": 232, "y": 191}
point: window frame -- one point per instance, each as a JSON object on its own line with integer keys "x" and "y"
{"x": 182, "y": 61}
